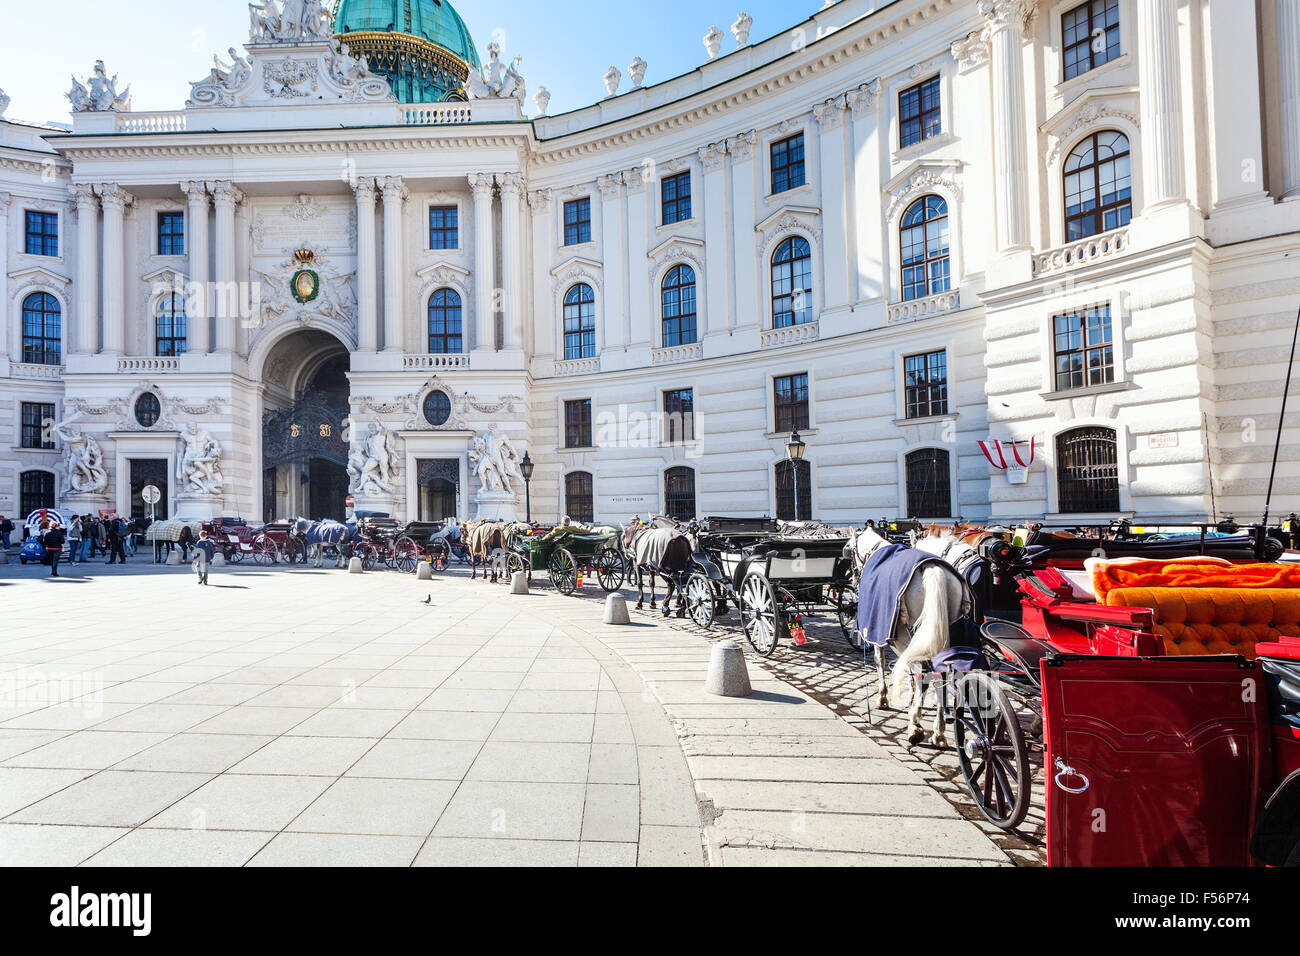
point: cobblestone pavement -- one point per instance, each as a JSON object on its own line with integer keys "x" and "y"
{"x": 289, "y": 716}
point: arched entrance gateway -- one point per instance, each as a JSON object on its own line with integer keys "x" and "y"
{"x": 304, "y": 451}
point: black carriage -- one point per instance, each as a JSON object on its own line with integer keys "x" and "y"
{"x": 772, "y": 579}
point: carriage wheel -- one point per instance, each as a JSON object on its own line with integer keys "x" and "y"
{"x": 368, "y": 555}
{"x": 264, "y": 550}
{"x": 406, "y": 554}
{"x": 608, "y": 565}
{"x": 563, "y": 568}
{"x": 992, "y": 750}
{"x": 760, "y": 615}
{"x": 701, "y": 602}
{"x": 294, "y": 553}
{"x": 846, "y": 609}
{"x": 515, "y": 564}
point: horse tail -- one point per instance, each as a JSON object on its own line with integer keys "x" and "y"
{"x": 930, "y": 634}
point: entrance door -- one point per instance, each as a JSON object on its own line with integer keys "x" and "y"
{"x": 1153, "y": 762}
{"x": 149, "y": 471}
{"x": 439, "y": 481}
{"x": 328, "y": 489}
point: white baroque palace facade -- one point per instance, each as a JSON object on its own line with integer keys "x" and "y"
{"x": 903, "y": 228}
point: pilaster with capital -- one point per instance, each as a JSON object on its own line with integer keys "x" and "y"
{"x": 643, "y": 191}
{"x": 4, "y": 270}
{"x": 225, "y": 197}
{"x": 1288, "y": 93}
{"x": 869, "y": 157}
{"x": 745, "y": 171}
{"x": 834, "y": 185}
{"x": 85, "y": 341}
{"x": 717, "y": 318}
{"x": 611, "y": 328}
{"x": 395, "y": 193}
{"x": 481, "y": 185}
{"x": 198, "y": 323}
{"x": 367, "y": 267}
{"x": 512, "y": 326}
{"x": 544, "y": 333}
{"x": 1007, "y": 23}
{"x": 114, "y": 200}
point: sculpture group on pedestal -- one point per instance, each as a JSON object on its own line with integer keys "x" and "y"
{"x": 84, "y": 469}
{"x": 199, "y": 466}
{"x": 99, "y": 93}
{"x": 290, "y": 21}
{"x": 496, "y": 80}
{"x": 372, "y": 459}
{"x": 495, "y": 460}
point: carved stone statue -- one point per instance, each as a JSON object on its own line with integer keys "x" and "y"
{"x": 99, "y": 93}
{"x": 484, "y": 467}
{"x": 612, "y": 77}
{"x": 84, "y": 468}
{"x": 496, "y": 460}
{"x": 4, "y": 102}
{"x": 496, "y": 80}
{"x": 199, "y": 465}
{"x": 740, "y": 29}
{"x": 292, "y": 21}
{"x": 637, "y": 72}
{"x": 542, "y": 99}
{"x": 372, "y": 459}
{"x": 713, "y": 42}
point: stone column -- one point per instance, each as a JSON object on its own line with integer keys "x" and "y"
{"x": 485, "y": 336}
{"x": 367, "y": 268}
{"x": 395, "y": 193}
{"x": 512, "y": 325}
{"x": 1160, "y": 101}
{"x": 609, "y": 331}
{"x": 1008, "y": 22}
{"x": 1288, "y": 92}
{"x": 716, "y": 318}
{"x": 114, "y": 199}
{"x": 835, "y": 254}
{"x": 85, "y": 342}
{"x": 197, "y": 301}
{"x": 225, "y": 197}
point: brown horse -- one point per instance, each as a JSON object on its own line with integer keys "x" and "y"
{"x": 664, "y": 548}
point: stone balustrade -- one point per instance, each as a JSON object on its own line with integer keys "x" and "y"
{"x": 435, "y": 361}
{"x": 157, "y": 122}
{"x": 436, "y": 114}
{"x": 676, "y": 353}
{"x": 789, "y": 335}
{"x": 149, "y": 364}
{"x": 1104, "y": 245}
{"x": 915, "y": 309}
{"x": 29, "y": 370}
{"x": 581, "y": 366}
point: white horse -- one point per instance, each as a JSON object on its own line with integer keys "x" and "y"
{"x": 934, "y": 600}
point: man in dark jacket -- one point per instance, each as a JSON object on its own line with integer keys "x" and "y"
{"x": 114, "y": 533}
{"x": 53, "y": 539}
{"x": 6, "y": 529}
{"x": 204, "y": 552}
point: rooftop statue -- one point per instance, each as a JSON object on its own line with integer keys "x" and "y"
{"x": 99, "y": 93}
{"x": 292, "y": 21}
{"x": 496, "y": 80}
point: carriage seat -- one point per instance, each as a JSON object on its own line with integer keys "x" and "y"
{"x": 1200, "y": 621}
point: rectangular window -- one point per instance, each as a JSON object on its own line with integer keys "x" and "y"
{"x": 793, "y": 490}
{"x": 929, "y": 484}
{"x": 1089, "y": 36}
{"x": 918, "y": 113}
{"x": 36, "y": 490}
{"x": 787, "y": 164}
{"x": 42, "y": 233}
{"x": 444, "y": 227}
{"x": 791, "y": 402}
{"x": 925, "y": 384}
{"x": 577, "y": 221}
{"x": 679, "y": 415}
{"x": 171, "y": 234}
{"x": 1085, "y": 354}
{"x": 579, "y": 501}
{"x": 677, "y": 198}
{"x": 34, "y": 431}
{"x": 577, "y": 424}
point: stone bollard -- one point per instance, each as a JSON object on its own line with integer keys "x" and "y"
{"x": 354, "y": 566}
{"x": 219, "y": 560}
{"x": 728, "y": 676}
{"x": 174, "y": 559}
{"x": 424, "y": 571}
{"x": 616, "y": 610}
{"x": 519, "y": 582}
{"x": 4, "y": 556}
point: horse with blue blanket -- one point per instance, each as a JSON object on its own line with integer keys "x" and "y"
{"x": 330, "y": 535}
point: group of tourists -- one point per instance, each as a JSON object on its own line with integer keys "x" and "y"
{"x": 89, "y": 537}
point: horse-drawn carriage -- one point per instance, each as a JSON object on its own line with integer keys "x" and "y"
{"x": 566, "y": 553}
{"x": 773, "y": 575}
{"x": 237, "y": 540}
{"x": 1158, "y": 675}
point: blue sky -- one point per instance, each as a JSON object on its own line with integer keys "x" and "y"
{"x": 158, "y": 48}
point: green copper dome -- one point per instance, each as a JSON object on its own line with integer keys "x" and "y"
{"x": 422, "y": 46}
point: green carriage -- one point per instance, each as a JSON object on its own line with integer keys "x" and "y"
{"x": 568, "y": 552}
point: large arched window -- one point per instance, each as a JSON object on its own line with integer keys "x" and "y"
{"x": 792, "y": 283}
{"x": 1087, "y": 471}
{"x": 171, "y": 337}
{"x": 445, "y": 323}
{"x": 579, "y": 503}
{"x": 929, "y": 485}
{"x": 1098, "y": 185}
{"x": 679, "y": 493}
{"x": 679, "y": 306}
{"x": 42, "y": 329}
{"x": 923, "y": 242}
{"x": 580, "y": 322}
{"x": 793, "y": 490}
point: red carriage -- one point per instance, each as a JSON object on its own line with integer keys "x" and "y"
{"x": 1164, "y": 700}
{"x": 264, "y": 544}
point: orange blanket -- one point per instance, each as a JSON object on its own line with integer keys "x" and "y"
{"x": 1191, "y": 574}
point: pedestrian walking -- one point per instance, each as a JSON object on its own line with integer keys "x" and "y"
{"x": 204, "y": 552}
{"x": 74, "y": 540}
{"x": 87, "y": 536}
{"x": 114, "y": 536}
{"x": 53, "y": 539}
{"x": 6, "y": 529}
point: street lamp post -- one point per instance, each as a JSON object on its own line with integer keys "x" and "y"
{"x": 526, "y": 466}
{"x": 794, "y": 449}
